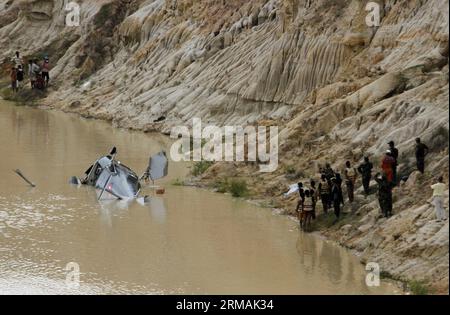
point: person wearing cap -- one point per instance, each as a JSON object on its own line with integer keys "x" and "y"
{"x": 394, "y": 152}
{"x": 384, "y": 194}
{"x": 421, "y": 152}
{"x": 387, "y": 165}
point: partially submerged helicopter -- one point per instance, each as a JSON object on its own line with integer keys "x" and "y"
{"x": 112, "y": 177}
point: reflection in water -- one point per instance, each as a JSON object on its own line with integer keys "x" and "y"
{"x": 110, "y": 208}
{"x": 332, "y": 253}
{"x": 350, "y": 278}
{"x": 185, "y": 241}
{"x": 322, "y": 255}
{"x": 307, "y": 251}
{"x": 319, "y": 256}
{"x": 158, "y": 210}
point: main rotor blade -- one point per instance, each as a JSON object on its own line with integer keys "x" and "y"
{"x": 18, "y": 172}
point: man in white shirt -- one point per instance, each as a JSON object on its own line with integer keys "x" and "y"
{"x": 17, "y": 60}
{"x": 438, "y": 198}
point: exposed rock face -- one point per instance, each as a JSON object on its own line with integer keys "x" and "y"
{"x": 339, "y": 88}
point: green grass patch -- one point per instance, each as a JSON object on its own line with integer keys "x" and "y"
{"x": 178, "y": 182}
{"x": 290, "y": 169}
{"x": 442, "y": 132}
{"x": 25, "y": 96}
{"x": 324, "y": 221}
{"x": 238, "y": 188}
{"x": 201, "y": 167}
{"x": 222, "y": 186}
{"x": 386, "y": 275}
{"x": 103, "y": 15}
{"x": 4, "y": 83}
{"x": 6, "y": 93}
{"x": 328, "y": 220}
{"x": 418, "y": 288}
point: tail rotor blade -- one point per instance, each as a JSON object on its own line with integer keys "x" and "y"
{"x": 158, "y": 166}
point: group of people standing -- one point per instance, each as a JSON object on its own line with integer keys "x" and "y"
{"x": 39, "y": 74}
{"x": 330, "y": 192}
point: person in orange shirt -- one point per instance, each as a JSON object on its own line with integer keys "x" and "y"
{"x": 387, "y": 165}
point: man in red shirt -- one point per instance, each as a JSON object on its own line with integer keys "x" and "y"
{"x": 387, "y": 165}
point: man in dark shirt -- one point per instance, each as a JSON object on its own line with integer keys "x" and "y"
{"x": 339, "y": 183}
{"x": 336, "y": 197}
{"x": 421, "y": 152}
{"x": 365, "y": 169}
{"x": 328, "y": 172}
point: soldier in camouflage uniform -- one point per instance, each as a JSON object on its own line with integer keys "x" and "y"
{"x": 384, "y": 194}
{"x": 365, "y": 169}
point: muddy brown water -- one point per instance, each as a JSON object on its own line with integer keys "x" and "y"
{"x": 187, "y": 241}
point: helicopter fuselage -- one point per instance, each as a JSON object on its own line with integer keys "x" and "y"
{"x": 113, "y": 177}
